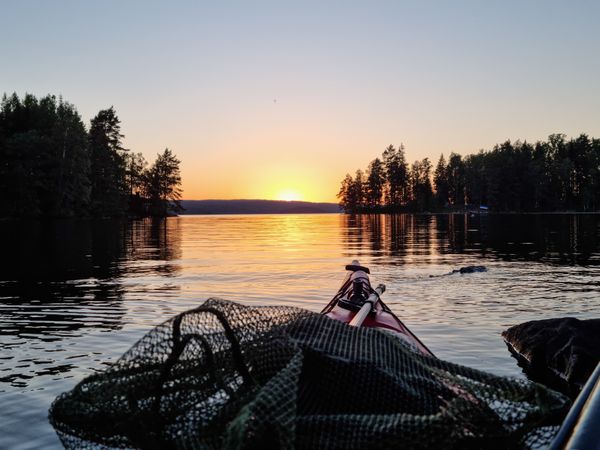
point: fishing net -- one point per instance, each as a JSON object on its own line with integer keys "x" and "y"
{"x": 229, "y": 376}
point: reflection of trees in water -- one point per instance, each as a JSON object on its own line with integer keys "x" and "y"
{"x": 557, "y": 238}
{"x": 421, "y": 235}
{"x": 63, "y": 279}
{"x": 407, "y": 236}
{"x": 157, "y": 239}
{"x": 353, "y": 233}
{"x": 30, "y": 329}
{"x": 398, "y": 235}
{"x": 553, "y": 238}
{"x": 452, "y": 233}
{"x": 397, "y": 232}
{"x": 62, "y": 250}
{"x": 64, "y": 275}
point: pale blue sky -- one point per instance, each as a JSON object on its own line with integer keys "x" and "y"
{"x": 348, "y": 78}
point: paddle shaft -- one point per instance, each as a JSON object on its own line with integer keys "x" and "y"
{"x": 579, "y": 429}
{"x": 369, "y": 304}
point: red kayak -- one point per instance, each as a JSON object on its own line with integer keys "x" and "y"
{"x": 358, "y": 304}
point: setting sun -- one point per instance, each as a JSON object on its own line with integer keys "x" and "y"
{"x": 288, "y": 195}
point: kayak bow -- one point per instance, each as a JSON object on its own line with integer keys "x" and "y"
{"x": 358, "y": 304}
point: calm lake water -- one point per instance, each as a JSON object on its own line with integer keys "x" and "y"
{"x": 74, "y": 295}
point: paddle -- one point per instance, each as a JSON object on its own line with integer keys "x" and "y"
{"x": 579, "y": 429}
{"x": 366, "y": 308}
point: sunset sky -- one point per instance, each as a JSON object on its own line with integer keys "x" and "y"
{"x": 279, "y": 100}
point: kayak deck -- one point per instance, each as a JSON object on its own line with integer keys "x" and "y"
{"x": 383, "y": 318}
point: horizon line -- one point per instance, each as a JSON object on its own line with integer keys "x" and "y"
{"x": 250, "y": 200}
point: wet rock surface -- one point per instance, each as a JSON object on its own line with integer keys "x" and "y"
{"x": 560, "y": 352}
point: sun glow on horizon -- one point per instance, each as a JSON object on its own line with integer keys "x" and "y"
{"x": 288, "y": 195}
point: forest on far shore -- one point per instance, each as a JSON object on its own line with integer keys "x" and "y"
{"x": 553, "y": 175}
{"x": 51, "y": 165}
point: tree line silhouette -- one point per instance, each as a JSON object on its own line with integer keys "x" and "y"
{"x": 553, "y": 175}
{"x": 52, "y": 166}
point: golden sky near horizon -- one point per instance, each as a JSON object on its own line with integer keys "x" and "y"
{"x": 276, "y": 100}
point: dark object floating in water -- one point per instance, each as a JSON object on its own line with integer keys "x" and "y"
{"x": 462, "y": 270}
{"x": 560, "y": 352}
{"x": 470, "y": 269}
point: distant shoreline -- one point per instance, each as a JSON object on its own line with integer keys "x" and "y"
{"x": 258, "y": 213}
{"x": 491, "y": 213}
{"x": 215, "y": 207}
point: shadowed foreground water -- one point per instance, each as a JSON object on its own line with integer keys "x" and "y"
{"x": 74, "y": 295}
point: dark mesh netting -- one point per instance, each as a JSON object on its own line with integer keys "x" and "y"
{"x": 231, "y": 376}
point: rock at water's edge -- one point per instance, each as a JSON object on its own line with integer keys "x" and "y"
{"x": 567, "y": 347}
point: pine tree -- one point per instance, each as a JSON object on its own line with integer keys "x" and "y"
{"x": 421, "y": 191}
{"x": 396, "y": 171}
{"x": 108, "y": 187}
{"x": 440, "y": 182}
{"x": 345, "y": 194}
{"x": 358, "y": 191}
{"x": 163, "y": 185}
{"x": 44, "y": 163}
{"x": 456, "y": 182}
{"x": 351, "y": 195}
{"x": 375, "y": 184}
